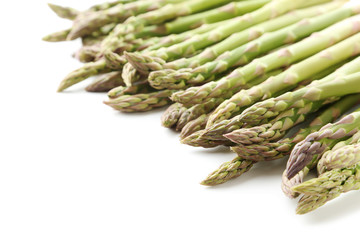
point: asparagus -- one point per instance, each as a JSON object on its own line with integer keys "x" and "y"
{"x": 272, "y": 150}
{"x": 141, "y": 87}
{"x": 317, "y": 95}
{"x": 310, "y": 150}
{"x": 288, "y": 55}
{"x": 276, "y": 150}
{"x": 280, "y": 83}
{"x": 140, "y": 102}
{"x": 326, "y": 187}
{"x": 173, "y": 39}
{"x": 228, "y": 171}
{"x": 340, "y": 158}
{"x": 87, "y": 54}
{"x": 287, "y": 184}
{"x": 228, "y": 11}
{"x": 85, "y": 25}
{"x": 113, "y": 46}
{"x": 197, "y": 110}
{"x": 172, "y": 114}
{"x": 201, "y": 41}
{"x": 272, "y": 107}
{"x": 244, "y": 53}
{"x": 64, "y": 12}
{"x": 168, "y": 12}
{"x": 58, "y": 36}
{"x": 196, "y": 140}
{"x": 89, "y": 69}
{"x": 107, "y": 5}
{"x": 106, "y": 82}
{"x": 193, "y": 126}
{"x": 114, "y": 61}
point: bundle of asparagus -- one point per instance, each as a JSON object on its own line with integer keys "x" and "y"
{"x": 239, "y": 73}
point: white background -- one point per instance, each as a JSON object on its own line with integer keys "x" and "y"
{"x": 72, "y": 168}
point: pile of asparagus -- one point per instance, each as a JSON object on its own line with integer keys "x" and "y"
{"x": 267, "y": 78}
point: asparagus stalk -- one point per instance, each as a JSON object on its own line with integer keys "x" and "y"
{"x": 64, "y": 12}
{"x": 272, "y": 150}
{"x": 113, "y": 61}
{"x": 275, "y": 129}
{"x": 287, "y": 183}
{"x": 193, "y": 126}
{"x": 85, "y": 25}
{"x": 310, "y": 150}
{"x": 282, "y": 82}
{"x": 228, "y": 171}
{"x": 265, "y": 13}
{"x": 315, "y": 96}
{"x": 284, "y": 56}
{"x": 88, "y": 70}
{"x": 228, "y": 11}
{"x": 272, "y": 107}
{"x": 326, "y": 187}
{"x": 204, "y": 108}
{"x": 58, "y": 36}
{"x": 106, "y": 82}
{"x": 172, "y": 114}
{"x": 168, "y": 12}
{"x": 107, "y": 5}
{"x": 241, "y": 53}
{"x": 276, "y": 150}
{"x": 140, "y": 102}
{"x": 141, "y": 87}
{"x": 340, "y": 158}
{"x": 196, "y": 140}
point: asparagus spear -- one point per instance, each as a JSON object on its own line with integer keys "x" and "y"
{"x": 118, "y": 13}
{"x": 284, "y": 56}
{"x": 317, "y": 95}
{"x": 275, "y": 129}
{"x": 228, "y": 11}
{"x": 272, "y": 107}
{"x": 168, "y": 12}
{"x": 87, "y": 54}
{"x": 107, "y": 5}
{"x": 140, "y": 102}
{"x": 196, "y": 140}
{"x": 193, "y": 126}
{"x": 343, "y": 157}
{"x": 141, "y": 87}
{"x": 88, "y": 70}
{"x": 106, "y": 82}
{"x": 244, "y": 53}
{"x": 58, "y": 36}
{"x": 310, "y": 150}
{"x": 64, "y": 12}
{"x": 327, "y": 186}
{"x": 114, "y": 61}
{"x": 282, "y": 82}
{"x": 172, "y": 114}
{"x": 267, "y": 12}
{"x": 272, "y": 150}
{"x": 276, "y": 150}
{"x": 204, "y": 108}
{"x": 228, "y": 171}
